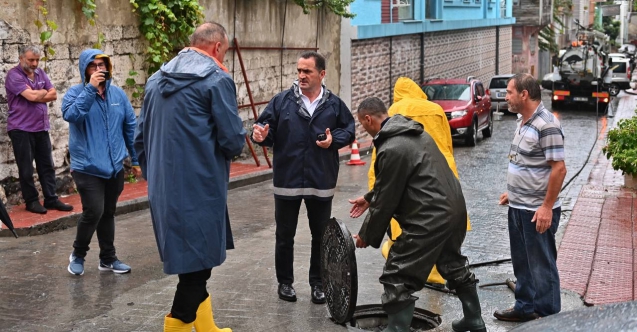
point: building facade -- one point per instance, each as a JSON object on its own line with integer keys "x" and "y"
{"x": 420, "y": 39}
{"x": 531, "y": 17}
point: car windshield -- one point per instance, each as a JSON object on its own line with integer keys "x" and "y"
{"x": 498, "y": 83}
{"x": 448, "y": 91}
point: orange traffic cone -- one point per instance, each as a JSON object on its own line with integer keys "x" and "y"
{"x": 355, "y": 157}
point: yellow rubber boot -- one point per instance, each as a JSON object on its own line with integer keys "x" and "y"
{"x": 176, "y": 325}
{"x": 205, "y": 321}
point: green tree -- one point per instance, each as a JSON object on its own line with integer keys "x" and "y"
{"x": 546, "y": 40}
{"x": 611, "y": 27}
{"x": 338, "y": 7}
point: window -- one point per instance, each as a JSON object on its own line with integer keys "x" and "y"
{"x": 448, "y": 92}
{"x": 479, "y": 90}
{"x": 430, "y": 9}
{"x": 516, "y": 46}
{"x": 498, "y": 83}
{"x": 405, "y": 9}
{"x": 532, "y": 44}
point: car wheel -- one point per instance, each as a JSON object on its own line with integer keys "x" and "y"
{"x": 614, "y": 89}
{"x": 471, "y": 137}
{"x": 555, "y": 105}
{"x": 488, "y": 131}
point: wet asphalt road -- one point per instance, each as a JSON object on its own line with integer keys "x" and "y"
{"x": 38, "y": 294}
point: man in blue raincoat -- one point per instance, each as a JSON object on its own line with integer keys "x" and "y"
{"x": 101, "y": 130}
{"x": 188, "y": 132}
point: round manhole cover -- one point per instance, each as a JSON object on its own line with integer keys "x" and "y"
{"x": 338, "y": 271}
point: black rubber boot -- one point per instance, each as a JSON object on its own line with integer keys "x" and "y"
{"x": 401, "y": 321}
{"x": 472, "y": 320}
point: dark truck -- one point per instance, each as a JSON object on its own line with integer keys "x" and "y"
{"x": 578, "y": 76}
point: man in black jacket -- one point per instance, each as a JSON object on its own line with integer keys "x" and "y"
{"x": 306, "y": 126}
{"x": 415, "y": 186}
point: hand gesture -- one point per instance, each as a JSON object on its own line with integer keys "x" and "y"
{"x": 97, "y": 78}
{"x": 259, "y": 133}
{"x": 327, "y": 142}
{"x": 359, "y": 242}
{"x": 360, "y": 206}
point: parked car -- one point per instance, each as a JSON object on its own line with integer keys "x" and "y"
{"x": 628, "y": 49}
{"x": 498, "y": 89}
{"x": 618, "y": 55}
{"x": 467, "y": 105}
{"x": 621, "y": 75}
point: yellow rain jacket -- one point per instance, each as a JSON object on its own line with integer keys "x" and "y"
{"x": 410, "y": 101}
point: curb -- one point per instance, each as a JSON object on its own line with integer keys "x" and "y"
{"x": 141, "y": 203}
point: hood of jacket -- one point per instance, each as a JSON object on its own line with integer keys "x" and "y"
{"x": 188, "y": 67}
{"x": 87, "y": 56}
{"x": 398, "y": 125}
{"x": 406, "y": 88}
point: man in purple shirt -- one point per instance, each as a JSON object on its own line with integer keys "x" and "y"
{"x": 28, "y": 91}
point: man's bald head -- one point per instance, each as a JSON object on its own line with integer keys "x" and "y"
{"x": 208, "y": 33}
{"x": 212, "y": 38}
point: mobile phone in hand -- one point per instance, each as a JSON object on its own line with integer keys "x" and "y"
{"x": 107, "y": 74}
{"x": 321, "y": 137}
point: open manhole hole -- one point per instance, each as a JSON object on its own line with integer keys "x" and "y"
{"x": 340, "y": 284}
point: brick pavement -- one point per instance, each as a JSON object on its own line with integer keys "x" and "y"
{"x": 596, "y": 257}
{"x": 27, "y": 223}
{"x": 24, "y": 220}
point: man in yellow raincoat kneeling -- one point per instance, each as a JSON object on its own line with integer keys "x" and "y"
{"x": 410, "y": 101}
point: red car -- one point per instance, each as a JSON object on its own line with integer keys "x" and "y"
{"x": 467, "y": 105}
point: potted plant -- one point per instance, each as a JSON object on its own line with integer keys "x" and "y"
{"x": 622, "y": 148}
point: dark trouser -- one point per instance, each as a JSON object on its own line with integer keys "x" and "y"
{"x": 191, "y": 291}
{"x": 99, "y": 200}
{"x": 286, "y": 214}
{"x": 36, "y": 146}
{"x": 412, "y": 257}
{"x": 534, "y": 259}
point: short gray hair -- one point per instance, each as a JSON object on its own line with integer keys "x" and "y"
{"x": 208, "y": 33}
{"x": 372, "y": 106}
{"x": 526, "y": 81}
{"x": 29, "y": 48}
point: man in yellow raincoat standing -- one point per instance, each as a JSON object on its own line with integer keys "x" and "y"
{"x": 411, "y": 102}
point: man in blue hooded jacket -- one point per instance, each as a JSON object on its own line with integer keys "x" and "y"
{"x": 101, "y": 128}
{"x": 189, "y": 131}
{"x": 305, "y": 125}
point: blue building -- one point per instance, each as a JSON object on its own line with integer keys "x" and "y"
{"x": 419, "y": 39}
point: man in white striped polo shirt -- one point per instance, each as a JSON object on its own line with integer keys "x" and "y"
{"x": 535, "y": 176}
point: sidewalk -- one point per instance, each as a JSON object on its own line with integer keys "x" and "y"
{"x": 133, "y": 198}
{"x": 596, "y": 257}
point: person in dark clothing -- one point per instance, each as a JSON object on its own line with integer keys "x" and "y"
{"x": 28, "y": 91}
{"x": 415, "y": 186}
{"x": 189, "y": 130}
{"x": 305, "y": 125}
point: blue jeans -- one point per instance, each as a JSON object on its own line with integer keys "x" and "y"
{"x": 534, "y": 258}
